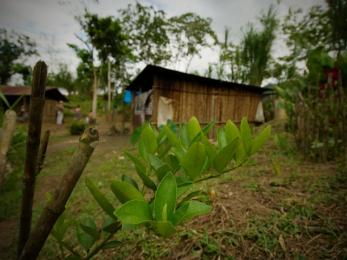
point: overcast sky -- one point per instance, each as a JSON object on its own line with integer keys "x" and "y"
{"x": 51, "y": 22}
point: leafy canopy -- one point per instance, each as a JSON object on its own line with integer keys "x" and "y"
{"x": 14, "y": 48}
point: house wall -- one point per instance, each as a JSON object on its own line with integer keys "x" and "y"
{"x": 49, "y": 110}
{"x": 206, "y": 102}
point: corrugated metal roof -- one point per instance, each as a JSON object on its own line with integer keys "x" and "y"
{"x": 144, "y": 80}
{"x": 51, "y": 92}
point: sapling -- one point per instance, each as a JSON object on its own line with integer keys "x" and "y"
{"x": 170, "y": 162}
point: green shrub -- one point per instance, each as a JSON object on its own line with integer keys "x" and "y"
{"x": 77, "y": 127}
{"x": 169, "y": 162}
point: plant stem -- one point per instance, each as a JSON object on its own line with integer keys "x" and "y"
{"x": 99, "y": 247}
{"x": 219, "y": 174}
{"x": 56, "y": 206}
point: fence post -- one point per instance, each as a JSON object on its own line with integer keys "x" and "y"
{"x": 32, "y": 149}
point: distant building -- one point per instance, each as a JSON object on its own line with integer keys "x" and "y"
{"x": 53, "y": 96}
{"x": 161, "y": 94}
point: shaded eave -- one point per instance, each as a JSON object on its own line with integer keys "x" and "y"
{"x": 51, "y": 93}
{"x": 144, "y": 80}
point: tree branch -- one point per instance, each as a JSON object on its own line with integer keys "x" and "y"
{"x": 56, "y": 206}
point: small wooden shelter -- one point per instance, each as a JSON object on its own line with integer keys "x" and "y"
{"x": 53, "y": 96}
{"x": 162, "y": 94}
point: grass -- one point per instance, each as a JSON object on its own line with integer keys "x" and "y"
{"x": 277, "y": 206}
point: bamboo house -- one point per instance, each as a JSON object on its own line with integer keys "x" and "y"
{"x": 162, "y": 94}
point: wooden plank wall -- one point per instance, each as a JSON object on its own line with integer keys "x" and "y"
{"x": 205, "y": 102}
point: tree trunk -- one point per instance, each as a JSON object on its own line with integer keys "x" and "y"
{"x": 32, "y": 150}
{"x": 109, "y": 89}
{"x": 8, "y": 128}
{"x": 56, "y": 206}
{"x": 95, "y": 92}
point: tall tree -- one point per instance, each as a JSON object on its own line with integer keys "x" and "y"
{"x": 248, "y": 62}
{"x": 191, "y": 33}
{"x": 85, "y": 68}
{"x": 158, "y": 39}
{"x": 148, "y": 32}
{"x": 256, "y": 48}
{"x": 110, "y": 42}
{"x": 14, "y": 48}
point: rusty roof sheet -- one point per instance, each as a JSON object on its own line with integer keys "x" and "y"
{"x": 144, "y": 80}
{"x": 51, "y": 92}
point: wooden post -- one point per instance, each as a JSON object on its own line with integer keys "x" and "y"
{"x": 33, "y": 143}
{"x": 56, "y": 206}
{"x": 42, "y": 152}
{"x": 9, "y": 126}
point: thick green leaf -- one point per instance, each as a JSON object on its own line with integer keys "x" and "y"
{"x": 134, "y": 212}
{"x": 148, "y": 141}
{"x": 225, "y": 155}
{"x": 91, "y": 231}
{"x": 171, "y": 136}
{"x": 246, "y": 135}
{"x": 197, "y": 195}
{"x": 86, "y": 238}
{"x": 221, "y": 138}
{"x": 260, "y": 139}
{"x": 163, "y": 149}
{"x": 164, "y": 228}
{"x": 130, "y": 180}
{"x": 184, "y": 137}
{"x": 173, "y": 162}
{"x": 231, "y": 131}
{"x": 147, "y": 181}
{"x": 165, "y": 198}
{"x": 111, "y": 244}
{"x": 100, "y": 198}
{"x": 160, "y": 168}
{"x": 193, "y": 128}
{"x": 211, "y": 149}
{"x": 206, "y": 129}
{"x": 125, "y": 191}
{"x": 195, "y": 160}
{"x": 190, "y": 209}
{"x": 135, "y": 137}
{"x": 141, "y": 171}
{"x": 138, "y": 163}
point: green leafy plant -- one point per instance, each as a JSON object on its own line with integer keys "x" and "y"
{"x": 170, "y": 162}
